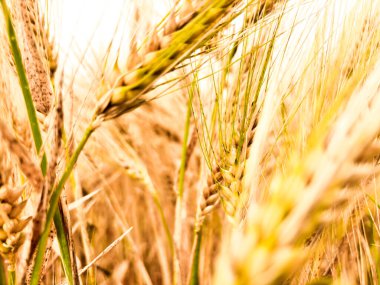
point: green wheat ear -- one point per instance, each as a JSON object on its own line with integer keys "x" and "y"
{"x": 168, "y": 50}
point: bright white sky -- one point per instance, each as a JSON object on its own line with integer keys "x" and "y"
{"x": 86, "y": 27}
{"x": 94, "y": 21}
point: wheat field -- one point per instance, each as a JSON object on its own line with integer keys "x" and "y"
{"x": 190, "y": 142}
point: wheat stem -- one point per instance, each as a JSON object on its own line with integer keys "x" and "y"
{"x": 3, "y": 278}
{"x": 54, "y": 204}
{"x": 194, "y": 273}
{"x": 12, "y": 277}
{"x": 179, "y": 202}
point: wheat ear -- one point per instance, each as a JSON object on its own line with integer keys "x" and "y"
{"x": 36, "y": 61}
{"x": 276, "y": 229}
{"x": 11, "y": 208}
{"x": 180, "y": 36}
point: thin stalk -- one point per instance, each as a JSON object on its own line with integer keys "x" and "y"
{"x": 75, "y": 184}
{"x": 11, "y": 277}
{"x": 157, "y": 202}
{"x": 64, "y": 233}
{"x": 181, "y": 178}
{"x": 3, "y": 277}
{"x": 194, "y": 274}
{"x": 179, "y": 202}
{"x": 65, "y": 252}
{"x": 54, "y": 205}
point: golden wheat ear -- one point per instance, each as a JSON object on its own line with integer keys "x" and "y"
{"x": 12, "y": 202}
{"x": 36, "y": 54}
